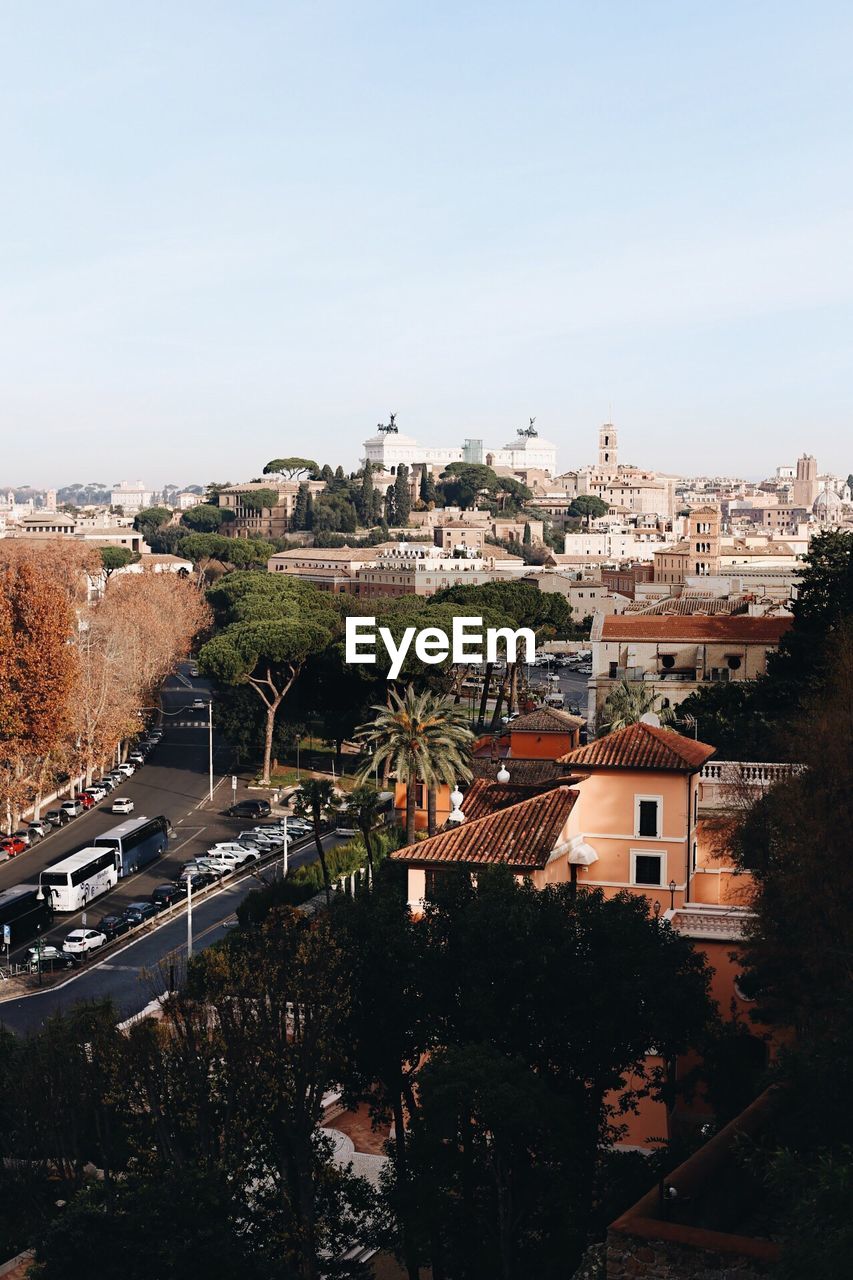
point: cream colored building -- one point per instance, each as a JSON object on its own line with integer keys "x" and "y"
{"x": 676, "y": 654}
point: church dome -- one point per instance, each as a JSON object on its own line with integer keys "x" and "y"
{"x": 828, "y": 507}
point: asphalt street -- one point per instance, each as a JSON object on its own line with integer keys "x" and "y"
{"x": 174, "y": 782}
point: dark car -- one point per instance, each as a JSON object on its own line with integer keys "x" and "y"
{"x": 113, "y": 927}
{"x": 198, "y": 879}
{"x": 136, "y": 912}
{"x": 164, "y": 895}
{"x": 55, "y": 817}
{"x": 249, "y": 809}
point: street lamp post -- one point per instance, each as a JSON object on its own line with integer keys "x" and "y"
{"x": 189, "y": 917}
{"x": 284, "y": 850}
{"x": 210, "y": 748}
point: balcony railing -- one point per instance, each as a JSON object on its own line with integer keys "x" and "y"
{"x": 726, "y": 784}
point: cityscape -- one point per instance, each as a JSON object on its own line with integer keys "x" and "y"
{"x": 425, "y": 835}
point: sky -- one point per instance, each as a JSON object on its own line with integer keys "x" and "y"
{"x": 236, "y": 231}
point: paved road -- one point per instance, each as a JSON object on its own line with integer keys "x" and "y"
{"x": 134, "y": 973}
{"x": 174, "y": 781}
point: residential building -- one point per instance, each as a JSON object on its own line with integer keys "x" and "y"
{"x": 329, "y": 568}
{"x": 617, "y": 542}
{"x": 245, "y": 520}
{"x": 131, "y": 497}
{"x": 585, "y": 595}
{"x": 675, "y": 655}
{"x": 421, "y": 570}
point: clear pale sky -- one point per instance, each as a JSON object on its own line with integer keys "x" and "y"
{"x": 231, "y": 231}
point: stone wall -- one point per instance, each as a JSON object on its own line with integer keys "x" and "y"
{"x": 636, "y": 1258}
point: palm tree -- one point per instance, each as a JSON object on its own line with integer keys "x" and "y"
{"x": 629, "y": 702}
{"x": 362, "y": 809}
{"x": 423, "y": 738}
{"x": 316, "y": 800}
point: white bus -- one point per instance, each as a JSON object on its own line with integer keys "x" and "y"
{"x": 79, "y": 878}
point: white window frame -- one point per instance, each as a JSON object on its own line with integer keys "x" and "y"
{"x": 648, "y": 853}
{"x": 659, "y": 802}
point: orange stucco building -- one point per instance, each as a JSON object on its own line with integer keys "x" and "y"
{"x": 621, "y": 814}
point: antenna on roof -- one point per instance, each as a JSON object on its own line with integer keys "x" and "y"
{"x": 650, "y": 718}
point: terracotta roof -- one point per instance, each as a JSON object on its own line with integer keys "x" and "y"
{"x": 484, "y": 795}
{"x": 525, "y": 773}
{"x": 545, "y": 720}
{"x": 522, "y": 835}
{"x": 696, "y": 628}
{"x": 642, "y": 746}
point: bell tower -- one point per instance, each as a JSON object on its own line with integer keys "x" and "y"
{"x": 607, "y": 449}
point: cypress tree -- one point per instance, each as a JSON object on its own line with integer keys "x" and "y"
{"x": 367, "y": 512}
{"x": 300, "y": 509}
{"x": 402, "y": 500}
{"x": 527, "y": 540}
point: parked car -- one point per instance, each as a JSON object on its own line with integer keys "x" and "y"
{"x": 12, "y": 846}
{"x": 23, "y": 834}
{"x": 107, "y": 784}
{"x": 193, "y": 670}
{"x": 198, "y": 867}
{"x": 97, "y": 792}
{"x": 243, "y": 846}
{"x": 164, "y": 895}
{"x": 73, "y": 808}
{"x": 126, "y": 769}
{"x": 86, "y": 800}
{"x": 81, "y": 941}
{"x": 249, "y": 809}
{"x": 223, "y": 864}
{"x": 198, "y": 879}
{"x": 39, "y": 829}
{"x": 155, "y": 733}
{"x": 122, "y": 805}
{"x": 199, "y": 704}
{"x": 115, "y": 778}
{"x": 137, "y": 758}
{"x": 54, "y": 817}
{"x": 113, "y": 926}
{"x": 47, "y": 956}
{"x": 136, "y": 912}
{"x": 243, "y": 852}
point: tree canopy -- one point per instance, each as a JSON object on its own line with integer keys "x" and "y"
{"x": 203, "y": 519}
{"x": 268, "y": 627}
{"x": 290, "y": 467}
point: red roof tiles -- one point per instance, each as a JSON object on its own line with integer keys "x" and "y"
{"x": 642, "y": 746}
{"x": 697, "y": 629}
{"x": 522, "y": 835}
{"x": 545, "y": 720}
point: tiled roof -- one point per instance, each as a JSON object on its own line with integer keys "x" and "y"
{"x": 687, "y": 605}
{"x": 545, "y": 720}
{"x": 697, "y": 628}
{"x": 522, "y": 835}
{"x": 487, "y": 796}
{"x": 641, "y": 746}
{"x": 524, "y": 773}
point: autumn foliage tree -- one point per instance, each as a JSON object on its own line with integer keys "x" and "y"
{"x": 75, "y": 671}
{"x": 36, "y": 679}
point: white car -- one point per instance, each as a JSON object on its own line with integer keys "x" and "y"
{"x": 97, "y": 793}
{"x": 122, "y": 805}
{"x": 199, "y": 703}
{"x": 220, "y": 859}
{"x": 81, "y": 941}
{"x": 127, "y": 769}
{"x": 242, "y": 850}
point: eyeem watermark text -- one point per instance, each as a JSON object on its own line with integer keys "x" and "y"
{"x": 433, "y": 645}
